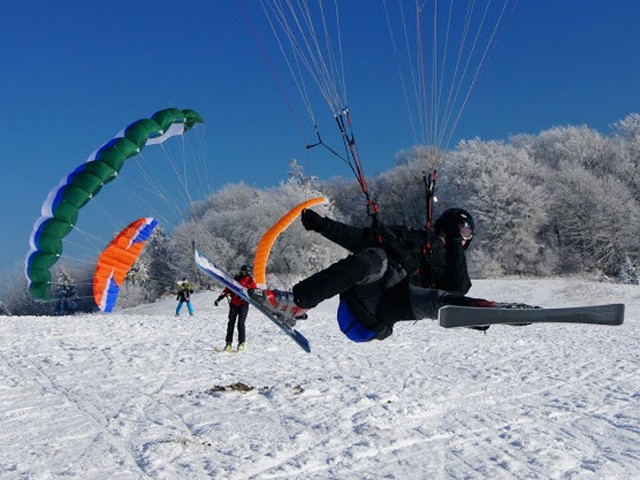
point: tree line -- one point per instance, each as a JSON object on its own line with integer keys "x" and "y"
{"x": 565, "y": 201}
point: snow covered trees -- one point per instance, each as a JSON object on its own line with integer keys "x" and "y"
{"x": 229, "y": 225}
{"x": 564, "y": 201}
{"x": 594, "y": 212}
{"x": 502, "y": 188}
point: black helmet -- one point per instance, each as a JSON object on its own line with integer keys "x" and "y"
{"x": 244, "y": 269}
{"x": 458, "y": 221}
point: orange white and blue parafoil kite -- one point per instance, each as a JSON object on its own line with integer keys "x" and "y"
{"x": 117, "y": 259}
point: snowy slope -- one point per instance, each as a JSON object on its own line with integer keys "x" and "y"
{"x": 142, "y": 394}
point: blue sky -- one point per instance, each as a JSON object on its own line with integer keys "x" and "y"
{"x": 74, "y": 73}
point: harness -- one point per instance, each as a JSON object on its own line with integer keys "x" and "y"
{"x": 400, "y": 246}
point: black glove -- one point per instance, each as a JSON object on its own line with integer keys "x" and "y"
{"x": 312, "y": 221}
{"x": 216, "y": 303}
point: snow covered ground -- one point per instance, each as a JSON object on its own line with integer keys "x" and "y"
{"x": 142, "y": 394}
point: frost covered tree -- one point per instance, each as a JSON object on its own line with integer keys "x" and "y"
{"x": 135, "y": 287}
{"x": 501, "y": 186}
{"x": 579, "y": 146}
{"x": 595, "y": 219}
{"x": 138, "y": 273}
{"x": 65, "y": 293}
{"x": 84, "y": 284}
{"x": 15, "y": 294}
{"x": 207, "y": 240}
{"x": 628, "y": 131}
{"x": 158, "y": 264}
{"x": 296, "y": 175}
{"x": 627, "y": 141}
{"x": 401, "y": 190}
{"x": 628, "y": 272}
{"x": 4, "y": 310}
{"x": 347, "y": 198}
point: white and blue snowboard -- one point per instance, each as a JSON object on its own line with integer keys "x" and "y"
{"x": 226, "y": 280}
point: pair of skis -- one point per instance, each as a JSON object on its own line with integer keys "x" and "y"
{"x": 450, "y": 316}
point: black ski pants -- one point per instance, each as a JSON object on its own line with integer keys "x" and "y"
{"x": 364, "y": 267}
{"x": 237, "y": 313}
{"x": 379, "y": 290}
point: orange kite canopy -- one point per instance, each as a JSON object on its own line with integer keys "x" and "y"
{"x": 117, "y": 259}
{"x": 268, "y": 239}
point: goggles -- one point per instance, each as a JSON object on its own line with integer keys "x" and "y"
{"x": 466, "y": 232}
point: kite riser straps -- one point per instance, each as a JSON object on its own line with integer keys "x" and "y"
{"x": 351, "y": 153}
{"x": 356, "y": 166}
{"x": 430, "y": 188}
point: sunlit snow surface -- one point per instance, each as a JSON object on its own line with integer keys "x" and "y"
{"x": 142, "y": 394}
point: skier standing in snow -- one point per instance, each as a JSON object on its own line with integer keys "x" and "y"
{"x": 184, "y": 296}
{"x": 394, "y": 273}
{"x": 238, "y": 308}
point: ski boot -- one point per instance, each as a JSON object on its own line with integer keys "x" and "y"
{"x": 517, "y": 306}
{"x": 241, "y": 347}
{"x": 491, "y": 304}
{"x": 228, "y": 348}
{"x": 280, "y": 303}
{"x": 482, "y": 303}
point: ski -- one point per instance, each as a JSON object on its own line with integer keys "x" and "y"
{"x": 452, "y": 316}
{"x": 225, "y": 279}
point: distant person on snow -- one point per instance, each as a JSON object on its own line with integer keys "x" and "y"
{"x": 390, "y": 276}
{"x": 184, "y": 296}
{"x": 238, "y": 308}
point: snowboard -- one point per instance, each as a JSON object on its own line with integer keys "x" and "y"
{"x": 452, "y": 316}
{"x": 225, "y": 279}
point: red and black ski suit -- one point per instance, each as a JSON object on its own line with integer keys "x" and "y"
{"x": 238, "y": 308}
{"x": 388, "y": 277}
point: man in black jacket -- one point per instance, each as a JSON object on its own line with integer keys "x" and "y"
{"x": 390, "y": 276}
{"x": 444, "y": 267}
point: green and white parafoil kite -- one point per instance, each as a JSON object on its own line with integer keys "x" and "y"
{"x": 60, "y": 210}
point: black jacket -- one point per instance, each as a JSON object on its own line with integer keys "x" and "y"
{"x": 444, "y": 267}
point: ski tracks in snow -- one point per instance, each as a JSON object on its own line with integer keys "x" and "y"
{"x": 141, "y": 394}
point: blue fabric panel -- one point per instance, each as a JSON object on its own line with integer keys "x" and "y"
{"x": 351, "y": 327}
